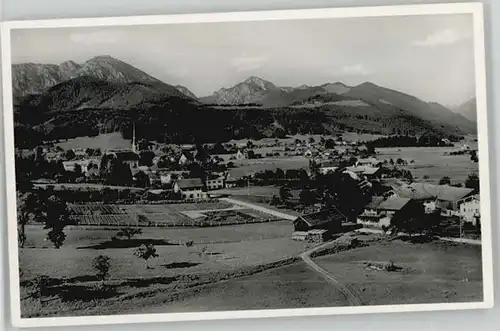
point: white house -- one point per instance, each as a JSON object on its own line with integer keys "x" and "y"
{"x": 470, "y": 209}
{"x": 215, "y": 183}
{"x": 240, "y": 155}
{"x": 369, "y": 162}
{"x": 191, "y": 188}
{"x": 85, "y": 165}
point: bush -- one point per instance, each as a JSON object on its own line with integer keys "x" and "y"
{"x": 128, "y": 232}
{"x": 101, "y": 264}
{"x": 146, "y": 252}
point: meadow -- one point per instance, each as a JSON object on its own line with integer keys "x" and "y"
{"x": 432, "y": 162}
{"x": 435, "y": 272}
{"x": 216, "y": 254}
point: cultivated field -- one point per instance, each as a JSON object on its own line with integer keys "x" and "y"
{"x": 434, "y": 272}
{"x": 166, "y": 215}
{"x": 431, "y": 162}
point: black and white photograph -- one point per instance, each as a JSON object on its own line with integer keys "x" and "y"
{"x": 254, "y": 164}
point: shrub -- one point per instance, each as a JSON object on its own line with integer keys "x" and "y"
{"x": 129, "y": 232}
{"x": 146, "y": 252}
{"x": 101, "y": 265}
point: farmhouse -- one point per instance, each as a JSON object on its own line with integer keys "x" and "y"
{"x": 318, "y": 226}
{"x": 329, "y": 166}
{"x": 367, "y": 172}
{"x": 169, "y": 176}
{"x": 443, "y": 197}
{"x": 191, "y": 188}
{"x": 380, "y": 211}
{"x": 239, "y": 155}
{"x": 127, "y": 157}
{"x": 369, "y": 162}
{"x": 470, "y": 209}
{"x": 84, "y": 165}
{"x": 325, "y": 219}
{"x": 215, "y": 182}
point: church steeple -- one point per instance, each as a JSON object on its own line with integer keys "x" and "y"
{"x": 133, "y": 138}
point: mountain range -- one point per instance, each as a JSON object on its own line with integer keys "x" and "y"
{"x": 366, "y": 95}
{"x": 70, "y": 99}
{"x": 468, "y": 109}
{"x": 35, "y": 78}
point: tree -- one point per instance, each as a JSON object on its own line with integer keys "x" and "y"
{"x": 69, "y": 155}
{"x": 29, "y": 208}
{"x": 474, "y": 157}
{"x": 275, "y": 201}
{"x": 472, "y": 182}
{"x": 307, "y": 197}
{"x": 57, "y": 216}
{"x": 146, "y": 252}
{"x": 279, "y": 173}
{"x": 330, "y": 144}
{"x": 311, "y": 140}
{"x": 101, "y": 265}
{"x": 445, "y": 181}
{"x": 284, "y": 193}
{"x": 129, "y": 232}
{"x": 251, "y": 154}
{"x": 250, "y": 144}
{"x": 146, "y": 158}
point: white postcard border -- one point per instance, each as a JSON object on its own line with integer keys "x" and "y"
{"x": 476, "y": 9}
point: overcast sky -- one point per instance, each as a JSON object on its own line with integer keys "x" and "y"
{"x": 431, "y": 57}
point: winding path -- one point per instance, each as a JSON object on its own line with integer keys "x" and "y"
{"x": 351, "y": 297}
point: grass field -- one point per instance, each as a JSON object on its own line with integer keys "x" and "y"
{"x": 246, "y": 167}
{"x": 103, "y": 141}
{"x": 216, "y": 252}
{"x": 293, "y": 286}
{"x": 434, "y": 272}
{"x": 431, "y": 162}
{"x": 264, "y": 191}
{"x": 86, "y": 187}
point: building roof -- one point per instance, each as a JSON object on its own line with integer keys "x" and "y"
{"x": 189, "y": 183}
{"x": 393, "y": 203}
{"x": 322, "y": 217}
{"x": 126, "y": 155}
{"x": 421, "y": 191}
{"x": 372, "y": 160}
{"x": 330, "y": 164}
{"x": 365, "y": 170}
{"x": 375, "y": 202}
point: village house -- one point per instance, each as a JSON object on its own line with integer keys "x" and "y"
{"x": 168, "y": 177}
{"x": 127, "y": 157}
{"x": 470, "y": 209}
{"x": 239, "y": 155}
{"x": 191, "y": 188}
{"x": 367, "y": 172}
{"x": 434, "y": 197}
{"x": 84, "y": 165}
{"x": 215, "y": 182}
{"x": 318, "y": 226}
{"x": 329, "y": 166}
{"x": 369, "y": 162}
{"x": 380, "y": 211}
